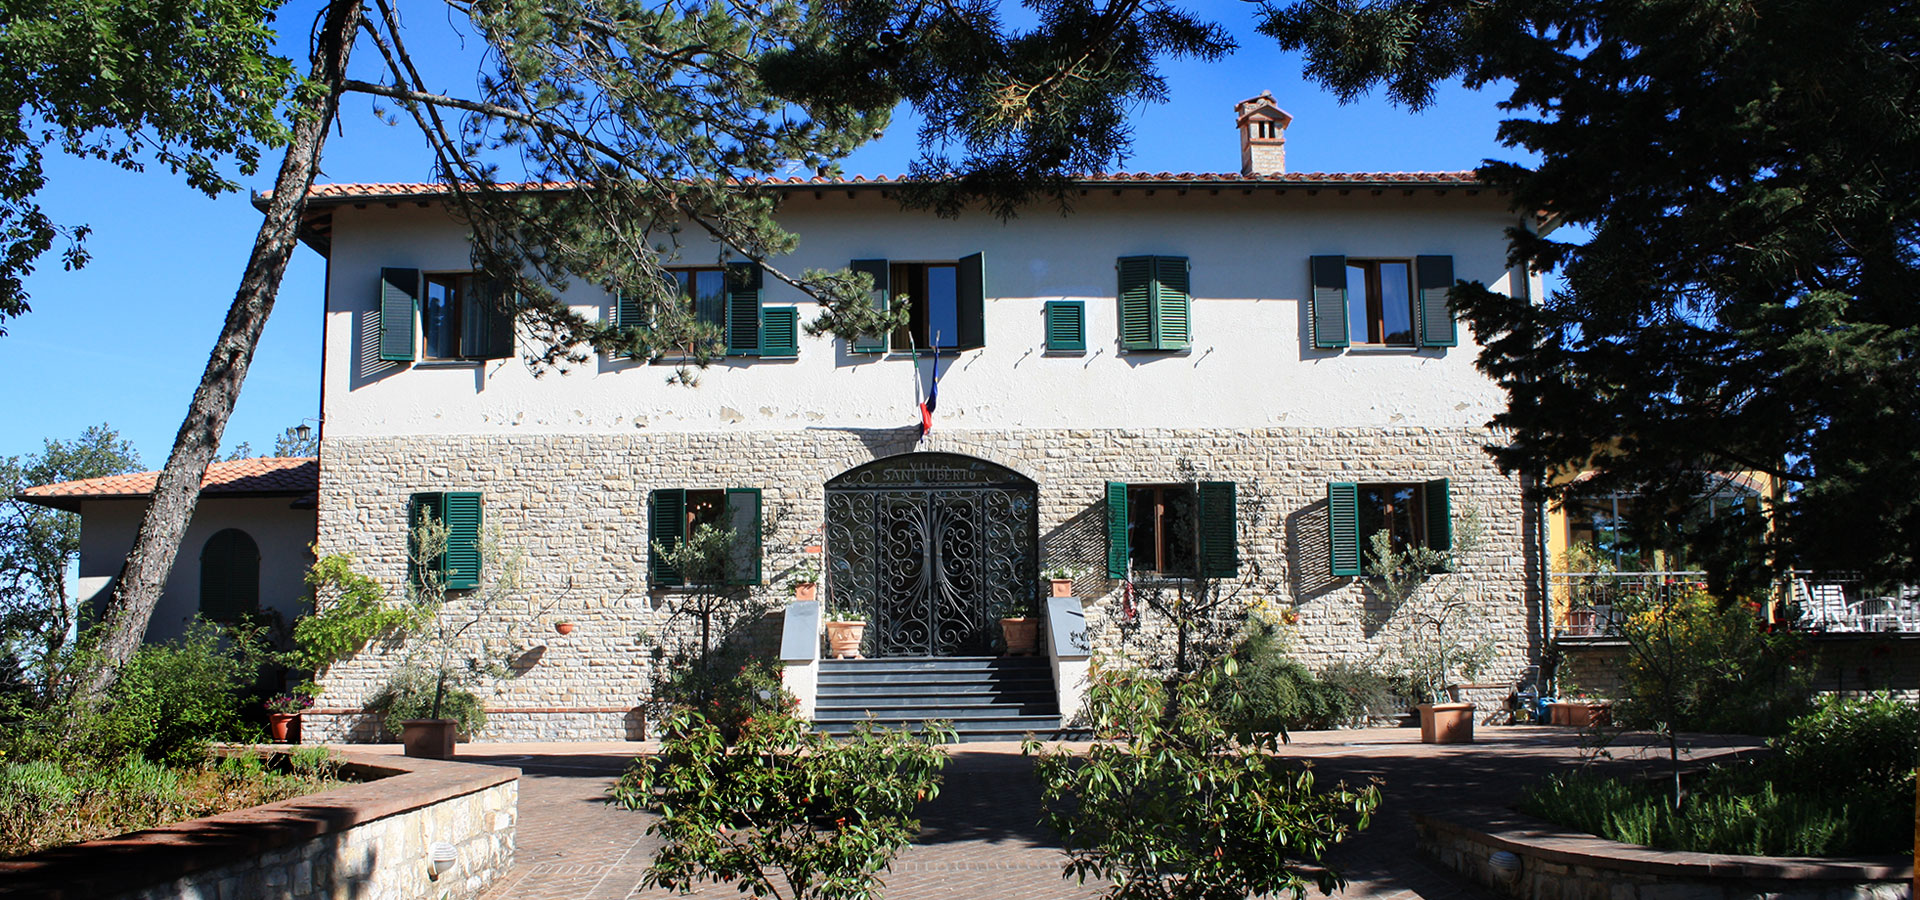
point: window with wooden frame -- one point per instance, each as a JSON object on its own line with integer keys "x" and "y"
{"x": 728, "y": 298}
{"x": 1381, "y": 302}
{"x": 443, "y": 316}
{"x": 946, "y": 303}
{"x": 1172, "y": 530}
{"x": 1413, "y": 514}
{"x": 675, "y": 514}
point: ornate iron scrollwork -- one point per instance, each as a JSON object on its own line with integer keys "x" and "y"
{"x": 935, "y": 548}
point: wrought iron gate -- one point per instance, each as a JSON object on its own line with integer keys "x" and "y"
{"x": 934, "y": 548}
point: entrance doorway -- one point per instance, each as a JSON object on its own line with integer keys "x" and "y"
{"x": 934, "y": 548}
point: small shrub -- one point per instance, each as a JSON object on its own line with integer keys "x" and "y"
{"x": 172, "y": 700}
{"x": 1271, "y": 694}
{"x": 408, "y": 694}
{"x": 31, "y": 794}
{"x": 734, "y": 688}
{"x": 1365, "y": 693}
{"x": 1870, "y": 744}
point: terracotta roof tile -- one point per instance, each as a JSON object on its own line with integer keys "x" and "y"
{"x": 352, "y": 191}
{"x": 264, "y": 475}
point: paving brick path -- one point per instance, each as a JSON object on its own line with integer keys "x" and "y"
{"x": 980, "y": 839}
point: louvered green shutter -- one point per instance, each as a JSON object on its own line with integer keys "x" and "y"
{"x": 666, "y": 528}
{"x": 1219, "y": 542}
{"x": 463, "y": 540}
{"x": 1136, "y": 302}
{"x": 399, "y": 297}
{"x": 423, "y": 508}
{"x": 1117, "y": 550}
{"x": 1327, "y": 310}
{"x": 882, "y": 297}
{"x": 1435, "y": 274}
{"x": 743, "y": 514}
{"x": 1439, "y": 505}
{"x": 1066, "y": 325}
{"x": 743, "y": 309}
{"x": 1343, "y": 527}
{"x": 970, "y": 296}
{"x": 229, "y": 576}
{"x": 497, "y": 301}
{"x": 779, "y": 332}
{"x": 1172, "y": 304}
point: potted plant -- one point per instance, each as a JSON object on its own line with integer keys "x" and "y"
{"x": 1433, "y": 626}
{"x": 1060, "y": 579}
{"x": 428, "y": 700}
{"x": 1021, "y": 628}
{"x": 283, "y": 713}
{"x": 846, "y": 628}
{"x": 805, "y": 583}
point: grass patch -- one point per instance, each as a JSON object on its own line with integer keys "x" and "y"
{"x": 43, "y": 804}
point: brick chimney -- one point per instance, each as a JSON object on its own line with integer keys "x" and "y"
{"x": 1263, "y": 135}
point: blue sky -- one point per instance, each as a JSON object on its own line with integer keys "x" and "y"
{"x": 124, "y": 340}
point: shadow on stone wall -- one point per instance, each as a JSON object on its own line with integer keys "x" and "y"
{"x": 1080, "y": 543}
{"x": 1310, "y": 554}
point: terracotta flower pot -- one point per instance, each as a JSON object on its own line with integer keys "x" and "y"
{"x": 1446, "y": 723}
{"x": 1023, "y": 635}
{"x": 563, "y": 627}
{"x": 284, "y": 728}
{"x": 843, "y": 639}
{"x": 805, "y": 591}
{"x": 1062, "y": 587}
{"x": 428, "y": 738}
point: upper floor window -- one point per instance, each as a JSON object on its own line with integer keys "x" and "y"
{"x": 705, "y": 290}
{"x": 1380, "y": 302}
{"x": 443, "y": 316}
{"x": 1155, "y": 303}
{"x": 947, "y": 303}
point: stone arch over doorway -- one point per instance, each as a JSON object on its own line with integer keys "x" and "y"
{"x": 932, "y": 549}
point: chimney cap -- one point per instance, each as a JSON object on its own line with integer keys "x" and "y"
{"x": 1262, "y": 106}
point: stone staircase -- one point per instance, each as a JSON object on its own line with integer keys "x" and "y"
{"x": 987, "y": 698}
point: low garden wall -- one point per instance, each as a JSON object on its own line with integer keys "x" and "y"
{"x": 363, "y": 840}
{"x": 1558, "y": 864}
{"x": 1842, "y": 662}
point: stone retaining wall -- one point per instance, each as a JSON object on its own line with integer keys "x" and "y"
{"x": 576, "y": 505}
{"x": 364, "y": 840}
{"x": 1556, "y": 864}
{"x": 1845, "y": 663}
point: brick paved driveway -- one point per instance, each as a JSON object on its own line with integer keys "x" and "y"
{"x": 980, "y": 840}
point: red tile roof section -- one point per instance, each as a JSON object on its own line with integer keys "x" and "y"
{"x": 265, "y": 475}
{"x": 1142, "y": 179}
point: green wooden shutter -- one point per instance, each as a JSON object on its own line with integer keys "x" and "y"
{"x": 1066, "y": 325}
{"x": 1327, "y": 310}
{"x": 743, "y": 309}
{"x": 1219, "y": 539}
{"x": 1136, "y": 302}
{"x": 463, "y": 540}
{"x": 779, "y": 332}
{"x": 970, "y": 282}
{"x": 1439, "y": 505}
{"x": 229, "y": 576}
{"x": 424, "y": 507}
{"x": 399, "y": 297}
{"x": 1437, "y": 328}
{"x": 1117, "y": 550}
{"x": 743, "y": 514}
{"x": 666, "y": 528}
{"x": 1172, "y": 304}
{"x": 882, "y": 296}
{"x": 497, "y": 300}
{"x": 1343, "y": 527}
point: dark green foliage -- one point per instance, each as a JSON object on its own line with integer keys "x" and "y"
{"x": 189, "y": 85}
{"x": 1165, "y": 805}
{"x": 1697, "y": 664}
{"x": 731, "y": 688}
{"x": 785, "y": 811}
{"x": 1270, "y": 694}
{"x": 1748, "y": 298}
{"x": 173, "y": 699}
{"x": 1868, "y": 745}
{"x": 411, "y": 694}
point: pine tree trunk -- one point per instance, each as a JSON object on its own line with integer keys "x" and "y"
{"x": 137, "y": 590}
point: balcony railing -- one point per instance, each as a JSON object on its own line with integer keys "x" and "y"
{"x": 1590, "y": 603}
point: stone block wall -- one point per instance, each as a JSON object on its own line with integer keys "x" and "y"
{"x": 1844, "y": 663}
{"x": 576, "y": 505}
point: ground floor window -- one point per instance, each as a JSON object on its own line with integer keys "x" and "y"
{"x": 1412, "y": 513}
{"x": 1172, "y": 530}
{"x": 229, "y": 576}
{"x": 677, "y": 514}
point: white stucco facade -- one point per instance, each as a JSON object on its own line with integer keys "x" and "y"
{"x": 281, "y": 530}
